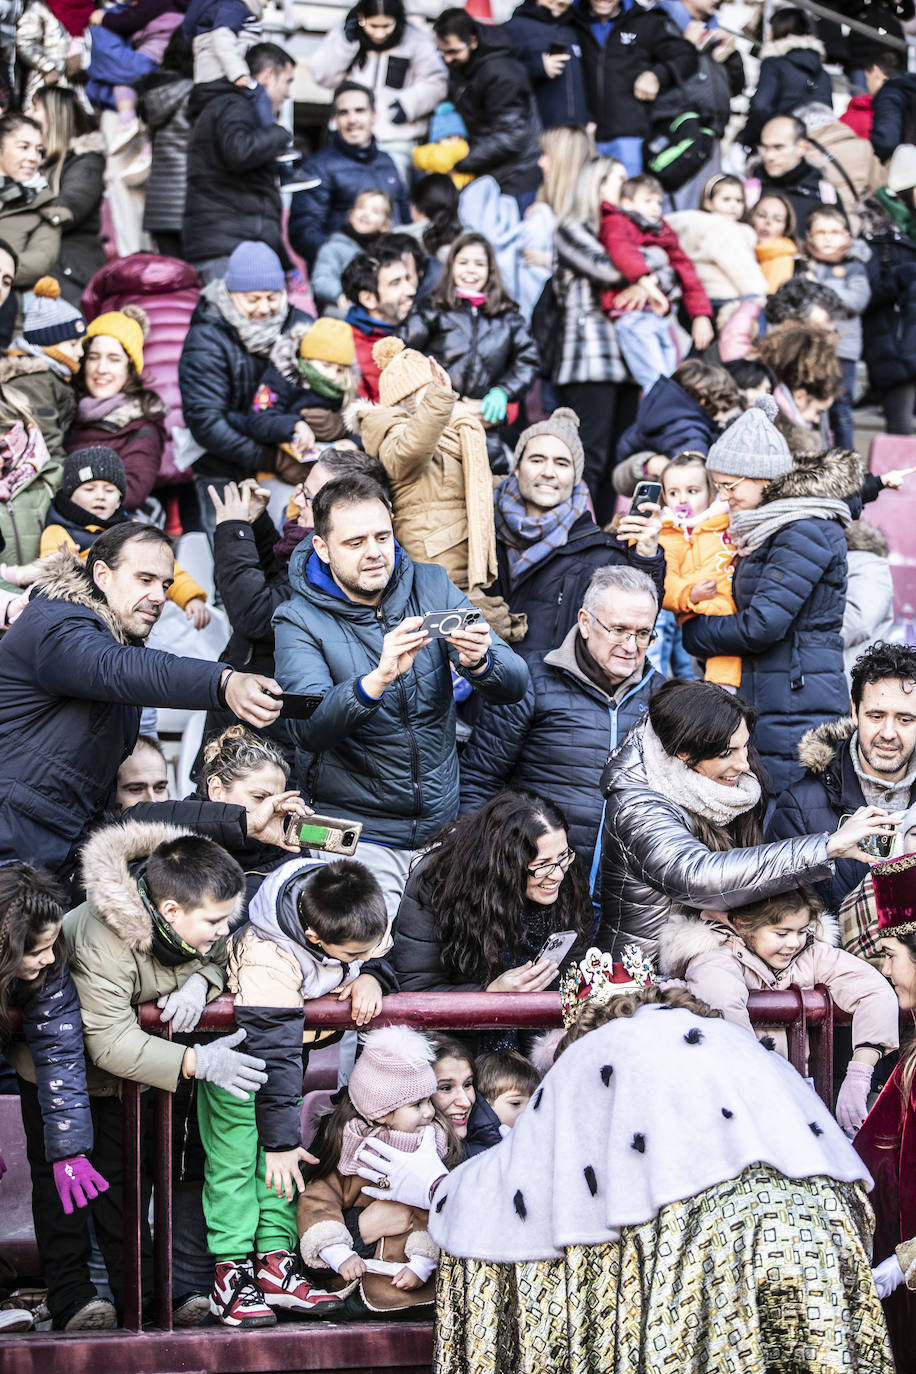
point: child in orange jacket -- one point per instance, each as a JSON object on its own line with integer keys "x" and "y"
{"x": 698, "y": 554}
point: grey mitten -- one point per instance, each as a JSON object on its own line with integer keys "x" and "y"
{"x": 237, "y": 1073}
{"x": 184, "y": 1006}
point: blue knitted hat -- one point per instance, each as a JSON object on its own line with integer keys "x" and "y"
{"x": 446, "y": 123}
{"x": 49, "y": 320}
{"x": 254, "y": 267}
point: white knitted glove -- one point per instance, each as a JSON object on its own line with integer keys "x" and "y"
{"x": 410, "y": 1178}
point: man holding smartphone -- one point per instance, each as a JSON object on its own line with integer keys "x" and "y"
{"x": 548, "y": 47}
{"x": 380, "y": 749}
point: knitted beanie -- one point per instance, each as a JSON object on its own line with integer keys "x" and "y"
{"x": 446, "y": 123}
{"x": 562, "y": 424}
{"x": 402, "y": 370}
{"x": 254, "y": 267}
{"x": 129, "y": 326}
{"x": 329, "y": 341}
{"x": 96, "y": 463}
{"x": 752, "y": 446}
{"x": 901, "y": 171}
{"x": 394, "y": 1070}
{"x": 49, "y": 320}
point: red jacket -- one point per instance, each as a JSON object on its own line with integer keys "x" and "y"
{"x": 622, "y": 239}
{"x": 859, "y": 115}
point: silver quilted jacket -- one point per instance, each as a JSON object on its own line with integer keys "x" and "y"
{"x": 653, "y": 866}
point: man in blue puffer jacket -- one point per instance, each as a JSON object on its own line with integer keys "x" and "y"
{"x": 380, "y": 749}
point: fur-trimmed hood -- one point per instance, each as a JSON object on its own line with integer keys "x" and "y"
{"x": 111, "y": 887}
{"x": 864, "y": 538}
{"x": 285, "y": 353}
{"x": 818, "y": 748}
{"x": 64, "y": 578}
{"x": 794, "y": 43}
{"x": 836, "y": 474}
{"x": 685, "y": 938}
{"x": 93, "y": 142}
{"x": 357, "y": 410}
{"x": 16, "y": 364}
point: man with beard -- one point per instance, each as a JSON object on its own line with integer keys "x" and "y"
{"x": 380, "y": 749}
{"x": 74, "y": 674}
{"x": 865, "y": 759}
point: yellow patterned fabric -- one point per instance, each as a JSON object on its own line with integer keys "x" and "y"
{"x": 758, "y": 1275}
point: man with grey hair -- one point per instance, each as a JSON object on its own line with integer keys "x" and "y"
{"x": 583, "y": 697}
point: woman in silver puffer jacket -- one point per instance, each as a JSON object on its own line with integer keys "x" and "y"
{"x": 683, "y": 816}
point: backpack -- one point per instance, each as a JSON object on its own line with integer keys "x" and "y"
{"x": 679, "y": 150}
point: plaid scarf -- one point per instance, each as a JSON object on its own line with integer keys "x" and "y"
{"x": 529, "y": 539}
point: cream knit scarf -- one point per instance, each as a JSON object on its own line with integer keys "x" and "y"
{"x": 714, "y": 801}
{"x": 464, "y": 439}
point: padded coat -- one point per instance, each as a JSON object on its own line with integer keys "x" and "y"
{"x": 669, "y": 420}
{"x": 478, "y": 351}
{"x": 342, "y": 171}
{"x": 788, "y": 628}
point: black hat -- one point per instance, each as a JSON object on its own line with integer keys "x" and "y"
{"x": 93, "y": 464}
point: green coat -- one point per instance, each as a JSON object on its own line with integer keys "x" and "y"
{"x": 50, "y": 397}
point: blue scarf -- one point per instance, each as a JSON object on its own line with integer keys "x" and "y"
{"x": 529, "y": 539}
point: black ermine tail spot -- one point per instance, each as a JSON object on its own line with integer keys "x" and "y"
{"x": 606, "y": 1074}
{"x": 768, "y": 1042}
{"x": 441, "y": 1203}
{"x": 694, "y": 1037}
{"x": 727, "y": 1114}
{"x": 590, "y": 1179}
{"x": 815, "y": 1128}
{"x": 638, "y": 1143}
{"x": 537, "y": 1099}
{"x": 519, "y": 1203}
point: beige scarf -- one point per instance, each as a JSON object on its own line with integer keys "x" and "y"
{"x": 464, "y": 439}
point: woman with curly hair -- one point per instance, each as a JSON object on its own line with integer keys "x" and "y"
{"x": 807, "y": 366}
{"x": 674, "y": 1196}
{"x": 479, "y": 906}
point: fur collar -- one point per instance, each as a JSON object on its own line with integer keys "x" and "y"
{"x": 794, "y": 43}
{"x": 684, "y": 938}
{"x": 864, "y": 538}
{"x": 15, "y": 364}
{"x": 835, "y": 474}
{"x": 111, "y": 888}
{"x": 284, "y": 355}
{"x": 64, "y": 578}
{"x": 357, "y": 410}
{"x": 818, "y": 748}
{"x": 93, "y": 142}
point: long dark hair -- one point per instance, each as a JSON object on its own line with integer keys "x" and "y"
{"x": 328, "y": 1140}
{"x": 376, "y": 9}
{"x": 698, "y": 719}
{"x": 497, "y": 299}
{"x": 30, "y": 901}
{"x": 436, "y": 197}
{"x": 476, "y": 877}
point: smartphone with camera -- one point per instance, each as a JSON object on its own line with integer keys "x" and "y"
{"x": 557, "y": 50}
{"x": 299, "y": 705}
{"x": 440, "y": 624}
{"x": 557, "y": 948}
{"x": 878, "y": 846}
{"x": 330, "y": 833}
{"x": 646, "y": 493}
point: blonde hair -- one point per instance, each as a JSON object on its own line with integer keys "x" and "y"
{"x": 569, "y": 148}
{"x": 236, "y": 753}
{"x": 585, "y": 203}
{"x": 370, "y": 194}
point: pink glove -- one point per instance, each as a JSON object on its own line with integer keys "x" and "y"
{"x": 852, "y": 1099}
{"x": 77, "y": 1182}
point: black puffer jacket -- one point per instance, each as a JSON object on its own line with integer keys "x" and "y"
{"x": 477, "y": 350}
{"x": 233, "y": 190}
{"x": 555, "y": 741}
{"x": 889, "y": 323}
{"x": 640, "y": 41}
{"x": 82, "y": 185}
{"x": 493, "y": 95}
{"x": 551, "y": 592}
{"x": 164, "y": 100}
{"x": 252, "y": 582}
{"x": 791, "y": 74}
{"x": 894, "y": 112}
{"x": 217, "y": 374}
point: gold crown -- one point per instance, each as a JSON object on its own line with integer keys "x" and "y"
{"x": 598, "y": 978}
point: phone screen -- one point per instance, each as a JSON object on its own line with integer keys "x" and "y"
{"x": 315, "y": 836}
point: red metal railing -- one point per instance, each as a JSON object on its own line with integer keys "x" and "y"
{"x": 807, "y": 1017}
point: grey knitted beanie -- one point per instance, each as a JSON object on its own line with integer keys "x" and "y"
{"x": 562, "y": 424}
{"x": 752, "y": 446}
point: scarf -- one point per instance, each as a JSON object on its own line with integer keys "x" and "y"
{"x": 702, "y": 796}
{"x": 529, "y": 539}
{"x": 903, "y": 217}
{"x": 358, "y": 316}
{"x": 589, "y": 668}
{"x": 167, "y": 945}
{"x": 292, "y": 536}
{"x": 318, "y": 382}
{"x": 23, "y": 452}
{"x": 18, "y": 193}
{"x": 257, "y": 336}
{"x": 56, "y": 360}
{"x": 72, "y": 14}
{"x": 93, "y": 410}
{"x": 464, "y": 439}
{"x": 356, "y": 1133}
{"x": 363, "y": 241}
{"x": 750, "y": 529}
{"x": 472, "y": 297}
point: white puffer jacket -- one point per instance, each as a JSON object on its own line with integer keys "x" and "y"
{"x": 411, "y": 73}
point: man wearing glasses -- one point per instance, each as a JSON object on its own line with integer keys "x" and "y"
{"x": 583, "y": 698}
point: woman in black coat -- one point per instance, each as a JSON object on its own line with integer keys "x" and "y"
{"x": 791, "y": 73}
{"x": 75, "y": 168}
{"x": 163, "y": 104}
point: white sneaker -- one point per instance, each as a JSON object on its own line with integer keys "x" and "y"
{"x": 236, "y": 1299}
{"x": 14, "y": 1319}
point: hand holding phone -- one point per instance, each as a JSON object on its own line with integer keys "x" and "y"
{"x": 647, "y": 493}
{"x": 328, "y": 833}
{"x": 557, "y": 947}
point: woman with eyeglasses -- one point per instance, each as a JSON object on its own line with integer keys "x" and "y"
{"x": 787, "y": 519}
{"x": 683, "y": 821}
{"x": 478, "y": 908}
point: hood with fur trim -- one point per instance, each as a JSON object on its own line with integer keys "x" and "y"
{"x": 782, "y": 47}
{"x": 685, "y": 938}
{"x": 818, "y": 748}
{"x": 864, "y": 538}
{"x": 836, "y": 474}
{"x": 111, "y": 887}
{"x": 64, "y": 578}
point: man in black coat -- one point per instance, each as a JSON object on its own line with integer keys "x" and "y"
{"x": 548, "y": 45}
{"x": 866, "y": 759}
{"x": 547, "y": 544}
{"x": 233, "y": 175}
{"x": 73, "y": 678}
{"x": 584, "y": 696}
{"x": 786, "y": 172}
{"x": 893, "y": 112}
{"x": 491, "y": 91}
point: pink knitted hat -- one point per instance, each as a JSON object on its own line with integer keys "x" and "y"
{"x": 394, "y": 1070}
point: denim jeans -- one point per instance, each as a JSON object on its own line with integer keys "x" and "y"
{"x": 625, "y": 150}
{"x": 647, "y": 345}
{"x": 841, "y": 411}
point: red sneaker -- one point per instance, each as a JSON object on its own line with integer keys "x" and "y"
{"x": 236, "y": 1299}
{"x": 283, "y": 1286}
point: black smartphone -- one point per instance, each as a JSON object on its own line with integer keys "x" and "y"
{"x": 297, "y": 705}
{"x": 646, "y": 493}
{"x": 557, "y": 50}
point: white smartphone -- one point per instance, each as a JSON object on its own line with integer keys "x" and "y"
{"x": 557, "y": 947}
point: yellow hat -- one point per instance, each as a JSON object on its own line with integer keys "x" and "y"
{"x": 403, "y": 370}
{"x": 128, "y": 326}
{"x": 329, "y": 341}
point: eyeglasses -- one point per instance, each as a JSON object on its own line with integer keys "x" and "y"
{"x": 545, "y": 869}
{"x": 728, "y": 487}
{"x": 453, "y": 51}
{"x": 619, "y": 634}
